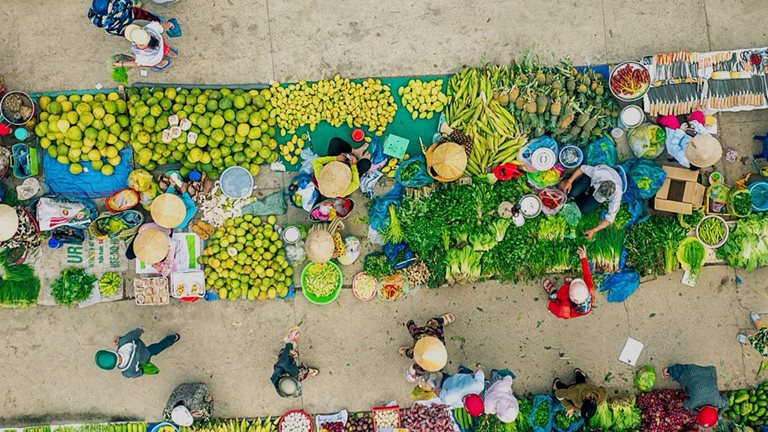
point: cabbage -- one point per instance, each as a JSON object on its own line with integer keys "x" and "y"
{"x": 603, "y": 418}
{"x": 645, "y": 378}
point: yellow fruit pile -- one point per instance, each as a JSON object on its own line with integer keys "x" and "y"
{"x": 338, "y": 101}
{"x": 245, "y": 258}
{"x": 89, "y": 128}
{"x": 392, "y": 165}
{"x": 291, "y": 150}
{"x": 423, "y": 98}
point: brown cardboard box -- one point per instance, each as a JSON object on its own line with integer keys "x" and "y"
{"x": 681, "y": 191}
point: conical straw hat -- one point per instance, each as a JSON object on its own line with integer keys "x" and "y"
{"x": 151, "y": 245}
{"x": 319, "y": 246}
{"x": 430, "y": 354}
{"x": 334, "y": 179}
{"x": 168, "y": 210}
{"x": 704, "y": 151}
{"x": 446, "y": 161}
{"x": 9, "y": 222}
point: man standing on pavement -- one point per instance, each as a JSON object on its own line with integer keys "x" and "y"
{"x": 132, "y": 356}
{"x": 700, "y": 383}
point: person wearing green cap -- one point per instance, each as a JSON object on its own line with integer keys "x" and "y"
{"x": 132, "y": 356}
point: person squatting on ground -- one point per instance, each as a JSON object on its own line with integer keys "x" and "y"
{"x": 114, "y": 15}
{"x": 288, "y": 374}
{"x": 591, "y": 186}
{"x": 189, "y": 402}
{"x": 463, "y": 390}
{"x": 428, "y": 350}
{"x": 501, "y": 401}
{"x": 700, "y": 383}
{"x": 576, "y": 297}
{"x": 580, "y": 396}
{"x": 149, "y": 47}
{"x": 132, "y": 357}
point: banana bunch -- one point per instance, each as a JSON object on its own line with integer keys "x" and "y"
{"x": 266, "y": 424}
{"x": 392, "y": 165}
{"x": 338, "y": 101}
{"x": 291, "y": 150}
{"x": 473, "y": 110}
{"x": 423, "y": 98}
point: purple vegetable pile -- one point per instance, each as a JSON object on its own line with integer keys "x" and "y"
{"x": 663, "y": 411}
{"x": 433, "y": 418}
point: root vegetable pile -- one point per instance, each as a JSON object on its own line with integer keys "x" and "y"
{"x": 335, "y": 426}
{"x": 296, "y": 422}
{"x": 421, "y": 418}
{"x": 663, "y": 411}
{"x": 360, "y": 423}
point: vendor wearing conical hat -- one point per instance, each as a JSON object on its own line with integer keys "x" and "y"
{"x": 338, "y": 174}
{"x": 446, "y": 161}
{"x": 153, "y": 246}
{"x": 428, "y": 351}
{"x": 704, "y": 151}
{"x": 17, "y": 228}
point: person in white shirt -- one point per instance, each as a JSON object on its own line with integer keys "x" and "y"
{"x": 592, "y": 186}
{"x": 148, "y": 46}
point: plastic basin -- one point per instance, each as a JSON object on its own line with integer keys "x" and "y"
{"x": 330, "y": 297}
{"x": 758, "y": 193}
{"x": 236, "y": 182}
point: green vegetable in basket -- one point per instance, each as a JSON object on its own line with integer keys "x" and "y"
{"x": 73, "y": 285}
{"x": 378, "y": 266}
{"x": 711, "y": 231}
{"x": 741, "y": 203}
{"x": 408, "y": 171}
{"x": 541, "y": 415}
{"x": 109, "y": 283}
{"x": 321, "y": 279}
{"x": 691, "y": 255}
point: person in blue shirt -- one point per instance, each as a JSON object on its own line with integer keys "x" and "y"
{"x": 457, "y": 387}
{"x": 114, "y": 15}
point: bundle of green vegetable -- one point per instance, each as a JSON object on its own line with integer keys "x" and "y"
{"x": 552, "y": 228}
{"x": 626, "y": 415}
{"x": 541, "y": 415}
{"x": 652, "y": 245}
{"x": 747, "y": 244}
{"x": 321, "y": 279}
{"x": 563, "y": 421}
{"x": 377, "y": 266}
{"x": 410, "y": 170}
{"x": 603, "y": 418}
{"x": 463, "y": 265}
{"x": 109, "y": 283}
{"x": 691, "y": 254}
{"x": 73, "y": 285}
{"x": 605, "y": 251}
{"x": 19, "y": 286}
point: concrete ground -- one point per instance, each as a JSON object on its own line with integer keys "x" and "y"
{"x": 46, "y": 353}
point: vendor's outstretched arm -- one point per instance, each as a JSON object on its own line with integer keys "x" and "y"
{"x": 600, "y": 226}
{"x": 566, "y": 185}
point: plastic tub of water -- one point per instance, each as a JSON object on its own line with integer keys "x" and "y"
{"x": 571, "y": 156}
{"x": 236, "y": 182}
{"x": 758, "y": 193}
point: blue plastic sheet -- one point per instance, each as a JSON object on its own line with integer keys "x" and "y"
{"x": 575, "y": 426}
{"x": 620, "y": 285}
{"x": 421, "y": 178}
{"x": 601, "y": 151}
{"x": 90, "y": 183}
{"x": 538, "y": 400}
{"x": 393, "y": 250}
{"x": 378, "y": 210}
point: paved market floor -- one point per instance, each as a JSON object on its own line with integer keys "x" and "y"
{"x": 46, "y": 353}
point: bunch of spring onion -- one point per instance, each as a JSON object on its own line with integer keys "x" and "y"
{"x": 605, "y": 250}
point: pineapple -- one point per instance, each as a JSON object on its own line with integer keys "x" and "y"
{"x": 542, "y": 102}
{"x": 575, "y": 131}
{"x": 549, "y": 78}
{"x": 566, "y": 118}
{"x": 599, "y": 90}
{"x": 570, "y": 84}
{"x": 530, "y": 104}
{"x": 514, "y": 93}
{"x": 462, "y": 139}
{"x": 585, "y": 79}
{"x": 554, "y": 109}
{"x": 587, "y": 128}
{"x": 541, "y": 79}
{"x": 557, "y": 86}
{"x": 504, "y": 98}
{"x": 520, "y": 103}
{"x": 564, "y": 99}
{"x": 582, "y": 119}
{"x": 582, "y": 88}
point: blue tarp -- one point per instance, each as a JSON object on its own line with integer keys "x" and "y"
{"x": 89, "y": 183}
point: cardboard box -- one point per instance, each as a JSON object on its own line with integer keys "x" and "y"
{"x": 681, "y": 191}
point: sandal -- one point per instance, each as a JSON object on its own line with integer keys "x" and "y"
{"x": 548, "y": 286}
{"x": 568, "y": 280}
{"x": 448, "y": 318}
{"x": 555, "y": 382}
{"x": 403, "y": 351}
{"x": 175, "y": 51}
{"x": 314, "y": 372}
{"x": 161, "y": 68}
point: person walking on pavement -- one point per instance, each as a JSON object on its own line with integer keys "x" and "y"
{"x": 576, "y": 296}
{"x": 700, "y": 383}
{"x": 114, "y": 15}
{"x": 457, "y": 388}
{"x": 428, "y": 350}
{"x": 189, "y": 402}
{"x": 288, "y": 374}
{"x": 132, "y": 357}
{"x": 759, "y": 338}
{"x": 580, "y": 396}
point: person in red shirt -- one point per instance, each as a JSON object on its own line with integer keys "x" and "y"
{"x": 575, "y": 297}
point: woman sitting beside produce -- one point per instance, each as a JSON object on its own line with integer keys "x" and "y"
{"x": 759, "y": 338}
{"x": 700, "y": 383}
{"x": 189, "y": 402}
{"x": 575, "y": 297}
{"x": 591, "y": 186}
{"x": 501, "y": 401}
{"x": 428, "y": 351}
{"x": 338, "y": 174}
{"x": 580, "y": 396}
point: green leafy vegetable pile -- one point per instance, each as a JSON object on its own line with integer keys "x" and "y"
{"x": 19, "y": 286}
{"x": 541, "y": 415}
{"x": 747, "y": 244}
{"x": 652, "y": 245}
{"x": 377, "y": 266}
{"x": 73, "y": 285}
{"x": 691, "y": 254}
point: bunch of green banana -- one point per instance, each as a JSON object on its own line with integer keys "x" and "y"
{"x": 266, "y": 424}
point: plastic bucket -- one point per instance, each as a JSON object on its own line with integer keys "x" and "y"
{"x": 570, "y": 156}
{"x": 330, "y": 297}
{"x": 236, "y": 182}
{"x": 758, "y": 193}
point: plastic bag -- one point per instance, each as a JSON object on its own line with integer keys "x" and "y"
{"x": 399, "y": 255}
{"x": 645, "y": 378}
{"x": 376, "y": 149}
{"x": 573, "y": 427}
{"x": 538, "y": 400}
{"x": 149, "y": 368}
{"x": 142, "y": 182}
{"x": 307, "y": 156}
{"x": 419, "y": 393}
{"x": 644, "y": 179}
{"x": 571, "y": 213}
{"x": 542, "y": 179}
{"x": 601, "y": 151}
{"x": 58, "y": 211}
{"x": 272, "y": 204}
{"x": 302, "y": 192}
{"x": 421, "y": 178}
{"x": 378, "y": 209}
{"x": 620, "y": 285}
{"x": 124, "y": 199}
{"x": 647, "y": 141}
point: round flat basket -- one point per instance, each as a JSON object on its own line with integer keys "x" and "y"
{"x": 17, "y": 108}
{"x": 236, "y": 182}
{"x": 388, "y": 280}
{"x": 294, "y": 412}
{"x": 356, "y": 286}
{"x": 758, "y": 193}
{"x": 631, "y": 68}
{"x": 724, "y": 237}
{"x": 570, "y": 156}
{"x": 312, "y": 297}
